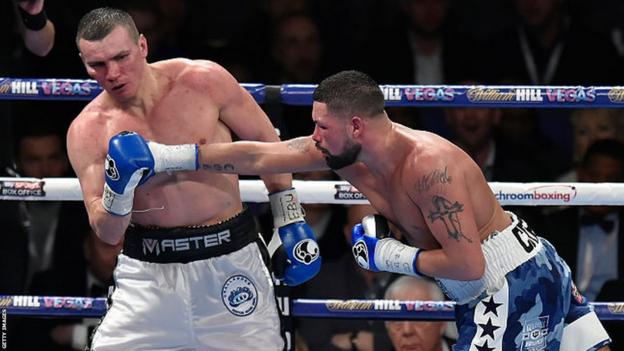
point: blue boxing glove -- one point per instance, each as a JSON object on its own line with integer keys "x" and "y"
{"x": 295, "y": 255}
{"x": 376, "y": 250}
{"x": 132, "y": 160}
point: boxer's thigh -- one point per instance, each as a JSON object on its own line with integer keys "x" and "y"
{"x": 528, "y": 312}
{"x": 233, "y": 303}
{"x": 149, "y": 308}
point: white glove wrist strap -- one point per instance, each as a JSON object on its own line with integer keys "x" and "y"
{"x": 392, "y": 255}
{"x": 168, "y": 158}
{"x": 285, "y": 207}
{"x": 117, "y": 204}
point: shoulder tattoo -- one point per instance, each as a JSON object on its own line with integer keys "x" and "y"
{"x": 448, "y": 212}
{"x": 437, "y": 176}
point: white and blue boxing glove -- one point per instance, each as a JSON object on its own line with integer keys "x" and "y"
{"x": 295, "y": 255}
{"x": 132, "y": 160}
{"x": 376, "y": 250}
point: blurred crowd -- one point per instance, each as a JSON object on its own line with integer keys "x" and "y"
{"x": 48, "y": 248}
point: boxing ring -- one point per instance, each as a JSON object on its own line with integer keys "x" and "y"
{"x": 334, "y": 192}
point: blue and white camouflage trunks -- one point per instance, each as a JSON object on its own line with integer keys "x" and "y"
{"x": 525, "y": 301}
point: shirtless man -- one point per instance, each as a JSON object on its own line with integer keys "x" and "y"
{"x": 193, "y": 271}
{"x": 512, "y": 289}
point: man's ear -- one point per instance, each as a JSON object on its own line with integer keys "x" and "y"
{"x": 143, "y": 45}
{"x": 356, "y": 126}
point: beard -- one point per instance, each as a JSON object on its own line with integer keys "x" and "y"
{"x": 346, "y": 158}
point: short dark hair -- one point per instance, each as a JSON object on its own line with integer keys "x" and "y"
{"x": 98, "y": 23}
{"x": 350, "y": 93}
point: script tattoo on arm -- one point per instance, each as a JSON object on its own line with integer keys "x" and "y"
{"x": 447, "y": 212}
{"x": 437, "y": 176}
{"x": 217, "y": 167}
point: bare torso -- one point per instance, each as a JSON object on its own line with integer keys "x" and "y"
{"x": 182, "y": 113}
{"x": 390, "y": 194}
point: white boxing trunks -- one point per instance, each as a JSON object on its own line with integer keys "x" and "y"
{"x": 200, "y": 288}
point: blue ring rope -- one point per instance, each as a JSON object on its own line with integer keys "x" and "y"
{"x": 525, "y": 96}
{"x": 64, "y": 306}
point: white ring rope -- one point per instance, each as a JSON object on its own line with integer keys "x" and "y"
{"x": 340, "y": 192}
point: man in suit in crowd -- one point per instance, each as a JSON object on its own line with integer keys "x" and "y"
{"x": 591, "y": 238}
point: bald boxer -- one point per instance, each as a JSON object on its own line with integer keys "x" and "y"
{"x": 513, "y": 291}
{"x": 193, "y": 273}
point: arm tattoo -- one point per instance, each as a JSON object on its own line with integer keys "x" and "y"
{"x": 216, "y": 167}
{"x": 438, "y": 176}
{"x": 448, "y": 212}
{"x": 299, "y": 144}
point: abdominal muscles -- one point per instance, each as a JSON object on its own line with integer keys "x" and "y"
{"x": 186, "y": 199}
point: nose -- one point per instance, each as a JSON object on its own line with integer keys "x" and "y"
{"x": 316, "y": 135}
{"x": 406, "y": 328}
{"x": 112, "y": 71}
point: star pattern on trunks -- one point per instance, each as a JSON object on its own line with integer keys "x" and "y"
{"x": 491, "y": 306}
{"x": 488, "y": 328}
{"x": 484, "y": 347}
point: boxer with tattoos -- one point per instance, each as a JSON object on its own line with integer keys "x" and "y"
{"x": 513, "y": 291}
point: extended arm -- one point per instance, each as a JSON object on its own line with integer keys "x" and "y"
{"x": 38, "y": 31}
{"x": 295, "y": 254}
{"x": 247, "y": 120}
{"x": 247, "y": 157}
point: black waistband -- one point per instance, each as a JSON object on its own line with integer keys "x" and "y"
{"x": 187, "y": 244}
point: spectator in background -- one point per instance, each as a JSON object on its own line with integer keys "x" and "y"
{"x": 296, "y": 53}
{"x": 38, "y": 235}
{"x": 24, "y": 24}
{"x": 519, "y": 130}
{"x": 52, "y": 228}
{"x": 424, "y": 47}
{"x": 297, "y": 50}
{"x": 589, "y": 126}
{"x": 591, "y": 238}
{"x": 546, "y": 46}
{"x": 593, "y": 242}
{"x": 92, "y": 279}
{"x": 475, "y": 131}
{"x": 417, "y": 335}
{"x": 344, "y": 279}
